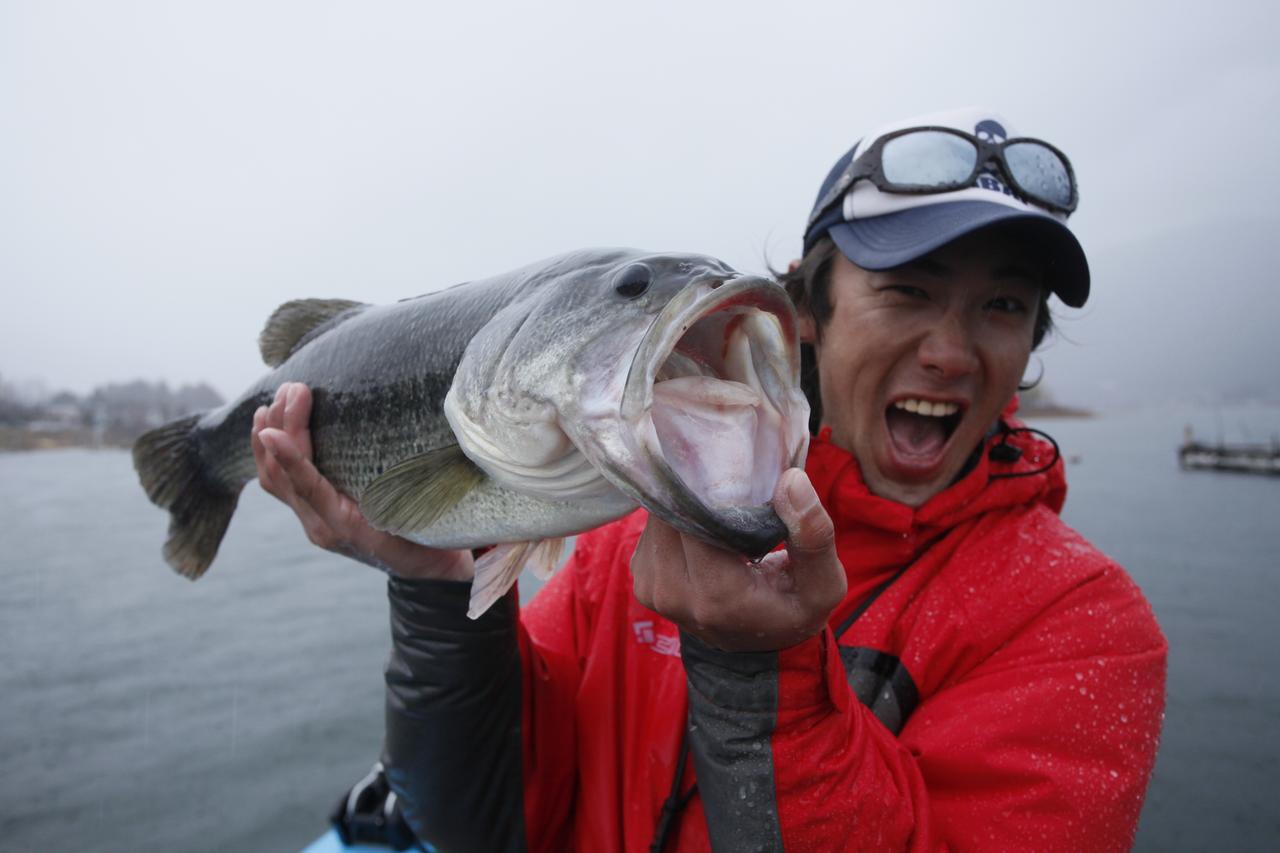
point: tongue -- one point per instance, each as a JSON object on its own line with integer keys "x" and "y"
{"x": 918, "y": 435}
{"x": 707, "y": 429}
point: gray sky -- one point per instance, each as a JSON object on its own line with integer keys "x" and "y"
{"x": 173, "y": 171}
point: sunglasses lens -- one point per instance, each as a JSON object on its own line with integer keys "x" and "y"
{"x": 1040, "y": 171}
{"x": 928, "y": 158}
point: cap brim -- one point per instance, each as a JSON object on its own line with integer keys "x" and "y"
{"x": 893, "y": 239}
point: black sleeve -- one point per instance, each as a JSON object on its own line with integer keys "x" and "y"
{"x": 453, "y": 744}
{"x": 733, "y": 703}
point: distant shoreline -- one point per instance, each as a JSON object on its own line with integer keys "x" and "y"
{"x": 1054, "y": 411}
{"x": 18, "y": 440}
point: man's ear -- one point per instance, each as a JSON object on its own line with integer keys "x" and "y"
{"x": 807, "y": 328}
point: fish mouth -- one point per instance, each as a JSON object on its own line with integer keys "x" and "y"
{"x": 713, "y": 395}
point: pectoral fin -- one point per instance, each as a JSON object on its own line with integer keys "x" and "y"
{"x": 412, "y": 495}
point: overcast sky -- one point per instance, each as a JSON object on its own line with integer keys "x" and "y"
{"x": 172, "y": 171}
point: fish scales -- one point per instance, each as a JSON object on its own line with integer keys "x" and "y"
{"x": 379, "y": 380}
{"x": 511, "y": 409}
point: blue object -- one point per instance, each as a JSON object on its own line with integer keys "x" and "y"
{"x": 331, "y": 843}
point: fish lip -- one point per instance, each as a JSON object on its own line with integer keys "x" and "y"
{"x": 699, "y": 300}
{"x": 753, "y": 530}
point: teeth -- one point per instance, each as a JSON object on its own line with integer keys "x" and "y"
{"x": 927, "y": 408}
{"x": 737, "y": 362}
{"x": 678, "y": 364}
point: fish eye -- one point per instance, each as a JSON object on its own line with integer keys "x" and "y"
{"x": 633, "y": 281}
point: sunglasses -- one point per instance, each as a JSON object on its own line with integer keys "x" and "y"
{"x": 920, "y": 160}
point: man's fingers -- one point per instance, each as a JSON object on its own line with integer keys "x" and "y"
{"x": 260, "y": 455}
{"x": 721, "y": 579}
{"x": 642, "y": 566}
{"x": 297, "y": 407}
{"x": 281, "y": 441}
{"x": 297, "y": 415}
{"x": 275, "y": 411}
{"x": 811, "y": 544}
{"x": 278, "y": 483}
{"x": 658, "y": 568}
{"x": 307, "y": 483}
{"x": 732, "y": 604}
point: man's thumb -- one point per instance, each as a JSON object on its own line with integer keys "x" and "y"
{"x": 809, "y": 528}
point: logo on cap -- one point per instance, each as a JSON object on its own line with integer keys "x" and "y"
{"x": 990, "y": 130}
{"x": 993, "y": 132}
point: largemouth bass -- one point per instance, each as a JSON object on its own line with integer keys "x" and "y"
{"x": 520, "y": 409}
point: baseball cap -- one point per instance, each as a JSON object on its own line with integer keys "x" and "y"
{"x": 879, "y": 230}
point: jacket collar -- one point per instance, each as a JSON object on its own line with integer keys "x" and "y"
{"x": 887, "y": 534}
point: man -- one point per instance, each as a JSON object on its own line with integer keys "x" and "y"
{"x": 935, "y": 661}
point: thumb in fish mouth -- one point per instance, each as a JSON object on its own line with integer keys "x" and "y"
{"x": 808, "y": 525}
{"x": 810, "y": 568}
{"x": 717, "y": 597}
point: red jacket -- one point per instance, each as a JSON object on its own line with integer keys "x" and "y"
{"x": 1004, "y": 692}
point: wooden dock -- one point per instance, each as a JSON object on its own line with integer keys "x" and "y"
{"x": 1241, "y": 458}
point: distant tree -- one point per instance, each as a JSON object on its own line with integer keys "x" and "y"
{"x": 200, "y": 397}
{"x": 126, "y": 410}
{"x": 13, "y": 410}
{"x": 119, "y": 411}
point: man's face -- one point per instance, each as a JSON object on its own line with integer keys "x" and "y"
{"x": 917, "y": 362}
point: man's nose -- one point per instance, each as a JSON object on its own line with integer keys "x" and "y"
{"x": 949, "y": 350}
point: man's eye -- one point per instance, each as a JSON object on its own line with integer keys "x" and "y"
{"x": 909, "y": 290}
{"x": 1007, "y": 305}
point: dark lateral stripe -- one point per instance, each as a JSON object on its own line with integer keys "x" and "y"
{"x": 733, "y": 709}
{"x": 882, "y": 683}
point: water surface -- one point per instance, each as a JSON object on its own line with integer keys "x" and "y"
{"x": 140, "y": 710}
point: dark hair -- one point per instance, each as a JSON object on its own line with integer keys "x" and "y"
{"x": 809, "y": 286}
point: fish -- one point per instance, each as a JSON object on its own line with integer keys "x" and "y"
{"x": 516, "y": 410}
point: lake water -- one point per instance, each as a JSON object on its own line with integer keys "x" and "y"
{"x": 140, "y": 711}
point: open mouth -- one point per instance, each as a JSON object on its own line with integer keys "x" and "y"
{"x": 920, "y": 430}
{"x": 727, "y": 413}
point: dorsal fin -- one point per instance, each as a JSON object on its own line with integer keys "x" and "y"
{"x": 291, "y": 322}
{"x": 413, "y": 494}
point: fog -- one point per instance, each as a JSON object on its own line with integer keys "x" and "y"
{"x": 172, "y": 172}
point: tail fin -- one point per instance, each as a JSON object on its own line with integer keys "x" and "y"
{"x": 169, "y": 466}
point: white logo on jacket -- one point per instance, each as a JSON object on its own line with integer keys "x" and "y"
{"x": 663, "y": 644}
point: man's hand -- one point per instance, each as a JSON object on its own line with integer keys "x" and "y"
{"x": 724, "y": 600}
{"x": 282, "y": 449}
